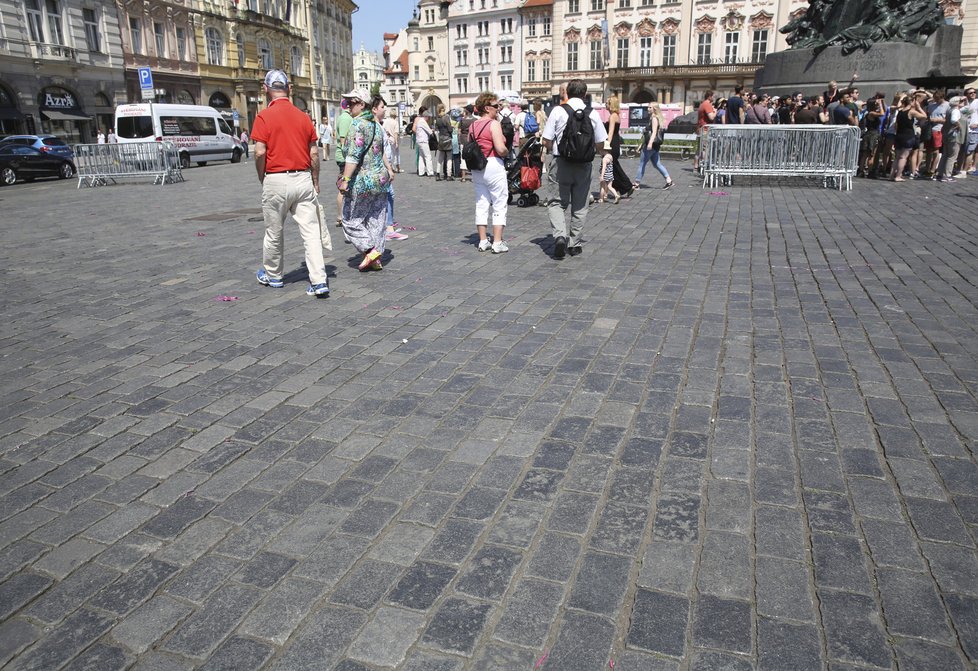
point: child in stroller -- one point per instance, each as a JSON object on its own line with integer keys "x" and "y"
{"x": 523, "y": 173}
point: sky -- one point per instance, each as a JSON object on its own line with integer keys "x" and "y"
{"x": 376, "y": 17}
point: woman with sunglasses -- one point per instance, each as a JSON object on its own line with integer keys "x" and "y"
{"x": 490, "y": 183}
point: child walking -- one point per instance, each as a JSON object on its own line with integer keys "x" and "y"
{"x": 607, "y": 177}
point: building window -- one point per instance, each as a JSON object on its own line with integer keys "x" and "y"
{"x": 758, "y": 50}
{"x": 239, "y": 40}
{"x": 295, "y": 62}
{"x": 417, "y": 72}
{"x": 596, "y": 54}
{"x": 506, "y": 53}
{"x": 91, "y": 29}
{"x": 506, "y": 82}
{"x": 704, "y": 48}
{"x": 573, "y": 6}
{"x": 54, "y": 21}
{"x": 572, "y": 56}
{"x": 35, "y": 20}
{"x": 461, "y": 57}
{"x": 416, "y": 43}
{"x": 597, "y": 5}
{"x": 645, "y": 52}
{"x": 182, "y": 45}
{"x": 646, "y": 3}
{"x": 483, "y": 83}
{"x": 668, "y": 49}
{"x": 622, "y": 59}
{"x": 135, "y": 35}
{"x": 731, "y": 47}
{"x": 462, "y": 84}
{"x": 431, "y": 71}
{"x": 461, "y": 31}
{"x": 506, "y": 25}
{"x": 545, "y": 70}
{"x": 531, "y": 26}
{"x": 531, "y": 71}
{"x": 265, "y": 54}
{"x": 215, "y": 46}
{"x": 624, "y": 4}
{"x": 160, "y": 39}
{"x": 546, "y": 26}
{"x": 431, "y": 44}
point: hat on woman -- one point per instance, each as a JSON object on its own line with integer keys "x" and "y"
{"x": 359, "y": 94}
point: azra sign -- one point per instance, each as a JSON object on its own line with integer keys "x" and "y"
{"x": 64, "y": 101}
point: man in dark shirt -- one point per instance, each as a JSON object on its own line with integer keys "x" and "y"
{"x": 735, "y": 106}
{"x": 808, "y": 112}
{"x": 842, "y": 114}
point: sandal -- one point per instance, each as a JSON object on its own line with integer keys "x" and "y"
{"x": 368, "y": 260}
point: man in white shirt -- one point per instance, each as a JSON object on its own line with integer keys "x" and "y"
{"x": 971, "y": 143}
{"x": 422, "y": 132}
{"x": 572, "y": 176}
{"x": 100, "y": 138}
{"x": 393, "y": 129}
{"x": 949, "y": 141}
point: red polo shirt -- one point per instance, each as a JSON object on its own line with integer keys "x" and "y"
{"x": 287, "y": 133}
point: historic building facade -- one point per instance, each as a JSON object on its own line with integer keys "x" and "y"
{"x": 331, "y": 51}
{"x": 537, "y": 17}
{"x": 368, "y": 69}
{"x": 485, "y": 52}
{"x": 396, "y": 86}
{"x": 428, "y": 41}
{"x": 61, "y": 67}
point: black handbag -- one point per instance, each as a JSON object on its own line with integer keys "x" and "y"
{"x": 432, "y": 142}
{"x": 472, "y": 152}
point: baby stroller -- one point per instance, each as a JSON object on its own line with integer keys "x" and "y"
{"x": 523, "y": 173}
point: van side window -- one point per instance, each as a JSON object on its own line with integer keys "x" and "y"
{"x": 187, "y": 125}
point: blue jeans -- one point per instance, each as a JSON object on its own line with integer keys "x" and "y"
{"x": 390, "y": 207}
{"x": 653, "y": 155}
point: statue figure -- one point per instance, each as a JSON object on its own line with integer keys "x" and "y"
{"x": 858, "y": 24}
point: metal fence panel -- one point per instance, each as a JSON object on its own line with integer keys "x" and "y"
{"x": 829, "y": 152}
{"x": 99, "y": 164}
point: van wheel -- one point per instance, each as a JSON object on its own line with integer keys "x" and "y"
{"x": 184, "y": 161}
{"x": 236, "y": 156}
{"x": 201, "y": 163}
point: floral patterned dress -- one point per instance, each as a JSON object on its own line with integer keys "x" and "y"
{"x": 365, "y": 205}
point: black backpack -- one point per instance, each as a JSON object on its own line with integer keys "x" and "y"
{"x": 509, "y": 130}
{"x": 472, "y": 152}
{"x": 577, "y": 142}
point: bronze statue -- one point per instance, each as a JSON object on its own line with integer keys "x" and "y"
{"x": 858, "y": 24}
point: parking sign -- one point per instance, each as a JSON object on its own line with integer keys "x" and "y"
{"x": 146, "y": 83}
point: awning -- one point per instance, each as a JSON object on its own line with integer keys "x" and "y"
{"x": 64, "y": 116}
{"x": 9, "y": 113}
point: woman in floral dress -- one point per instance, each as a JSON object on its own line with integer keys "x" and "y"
{"x": 365, "y": 183}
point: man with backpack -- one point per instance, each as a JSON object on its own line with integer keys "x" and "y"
{"x": 573, "y": 134}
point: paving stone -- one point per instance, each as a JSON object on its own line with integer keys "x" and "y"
{"x": 332, "y": 559}
{"x": 456, "y": 626}
{"x": 528, "y": 613}
{"x": 712, "y": 661}
{"x": 937, "y": 521}
{"x": 489, "y": 572}
{"x": 200, "y": 579}
{"x": 555, "y": 557}
{"x": 518, "y": 523}
{"x": 321, "y": 642}
{"x": 955, "y": 568}
{"x": 402, "y": 544}
{"x": 782, "y": 589}
{"x": 723, "y": 624}
{"x": 78, "y": 631}
{"x": 454, "y": 542}
{"x": 852, "y": 628}
{"x": 203, "y": 631}
{"x": 385, "y": 639}
{"x": 175, "y": 519}
{"x": 19, "y": 590}
{"x": 920, "y": 655}
{"x": 601, "y": 584}
{"x": 912, "y": 605}
{"x": 15, "y": 635}
{"x": 725, "y": 565}
{"x": 659, "y": 623}
{"x": 238, "y": 653}
{"x": 421, "y": 585}
{"x": 366, "y": 584}
{"x": 840, "y": 563}
{"x": 964, "y": 616}
{"x": 677, "y": 518}
{"x": 785, "y": 645}
{"x": 265, "y": 569}
{"x": 149, "y": 623}
{"x": 779, "y": 532}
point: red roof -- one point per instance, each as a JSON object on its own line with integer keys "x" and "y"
{"x": 390, "y": 36}
{"x": 402, "y": 62}
{"x": 537, "y": 3}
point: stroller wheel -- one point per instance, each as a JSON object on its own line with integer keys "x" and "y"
{"x": 534, "y": 199}
{"x": 521, "y": 202}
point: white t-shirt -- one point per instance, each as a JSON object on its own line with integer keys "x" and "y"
{"x": 973, "y": 124}
{"x": 422, "y": 131}
{"x": 557, "y": 121}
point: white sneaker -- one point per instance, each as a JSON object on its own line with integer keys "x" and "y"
{"x": 961, "y": 175}
{"x": 500, "y": 247}
{"x": 485, "y": 245}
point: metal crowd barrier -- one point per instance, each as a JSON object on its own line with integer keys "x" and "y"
{"x": 828, "y": 152}
{"x": 99, "y": 164}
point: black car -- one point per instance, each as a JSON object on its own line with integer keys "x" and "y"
{"x": 20, "y": 162}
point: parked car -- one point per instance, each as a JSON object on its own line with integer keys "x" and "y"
{"x": 48, "y": 144}
{"x": 18, "y": 161}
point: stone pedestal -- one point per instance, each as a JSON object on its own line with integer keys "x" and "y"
{"x": 886, "y": 66}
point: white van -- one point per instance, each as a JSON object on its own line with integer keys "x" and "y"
{"x": 200, "y": 132}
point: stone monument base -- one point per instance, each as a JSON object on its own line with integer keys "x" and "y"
{"x": 886, "y": 66}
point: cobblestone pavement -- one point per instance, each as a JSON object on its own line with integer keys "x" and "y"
{"x": 737, "y": 432}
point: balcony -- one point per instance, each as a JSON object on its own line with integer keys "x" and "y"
{"x": 159, "y": 64}
{"x": 718, "y": 69}
{"x": 53, "y": 52}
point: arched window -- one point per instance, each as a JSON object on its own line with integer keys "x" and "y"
{"x": 185, "y": 97}
{"x": 239, "y": 38}
{"x": 102, "y": 100}
{"x": 265, "y": 54}
{"x": 215, "y": 46}
{"x": 296, "y": 62}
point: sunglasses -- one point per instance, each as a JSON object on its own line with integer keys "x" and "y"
{"x": 496, "y": 105}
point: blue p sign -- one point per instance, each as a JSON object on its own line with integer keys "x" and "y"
{"x": 145, "y": 78}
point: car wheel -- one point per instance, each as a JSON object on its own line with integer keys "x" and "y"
{"x": 8, "y": 176}
{"x": 201, "y": 163}
{"x": 66, "y": 171}
{"x": 236, "y": 156}
{"x": 184, "y": 161}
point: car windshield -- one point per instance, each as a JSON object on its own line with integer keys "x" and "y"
{"x": 54, "y": 142}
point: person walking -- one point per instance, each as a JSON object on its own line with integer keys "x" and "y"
{"x": 243, "y": 138}
{"x": 951, "y": 135}
{"x": 287, "y": 162}
{"x": 342, "y": 130}
{"x": 650, "y": 146}
{"x": 622, "y": 183}
{"x": 365, "y": 183}
{"x": 573, "y": 134}
{"x": 325, "y": 137}
{"x": 443, "y": 155}
{"x": 422, "y": 135}
{"x": 705, "y": 114}
{"x": 100, "y": 138}
{"x": 490, "y": 182}
{"x": 393, "y": 129}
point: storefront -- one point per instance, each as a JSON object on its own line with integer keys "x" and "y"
{"x": 10, "y": 116}
{"x": 62, "y": 115}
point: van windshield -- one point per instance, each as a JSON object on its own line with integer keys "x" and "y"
{"x": 134, "y": 127}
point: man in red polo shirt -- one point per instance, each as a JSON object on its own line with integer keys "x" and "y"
{"x": 287, "y": 160}
{"x": 705, "y": 114}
